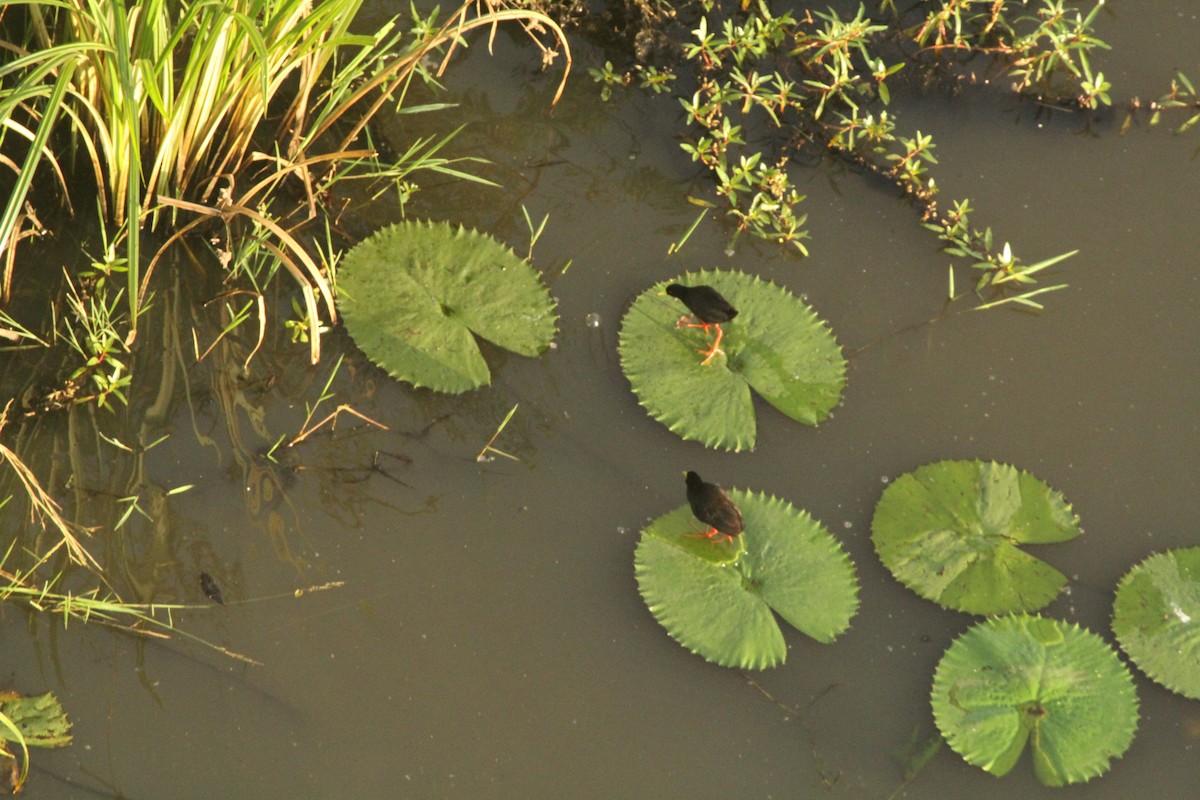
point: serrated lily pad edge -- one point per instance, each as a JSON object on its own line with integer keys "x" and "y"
{"x": 1146, "y": 660}
{"x": 814, "y": 534}
{"x": 1103, "y": 765}
{"x": 978, "y": 463}
{"x": 470, "y": 371}
{"x": 738, "y": 439}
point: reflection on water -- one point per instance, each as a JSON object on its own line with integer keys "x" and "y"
{"x": 488, "y": 639}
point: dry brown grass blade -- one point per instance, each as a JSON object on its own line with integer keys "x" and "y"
{"x": 19, "y": 232}
{"x": 310, "y": 301}
{"x": 333, "y": 415}
{"x": 47, "y": 154}
{"x": 314, "y": 275}
{"x": 284, "y": 168}
{"x": 532, "y": 22}
{"x": 42, "y": 505}
{"x": 388, "y": 79}
{"x": 306, "y": 278}
{"x": 206, "y": 211}
{"x": 262, "y": 328}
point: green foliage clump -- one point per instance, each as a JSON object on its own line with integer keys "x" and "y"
{"x": 763, "y": 91}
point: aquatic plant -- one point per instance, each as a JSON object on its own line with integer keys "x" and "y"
{"x": 416, "y": 294}
{"x": 37, "y": 721}
{"x": 179, "y": 104}
{"x": 1156, "y": 618}
{"x": 719, "y": 599}
{"x": 1023, "y": 679}
{"x": 951, "y": 531}
{"x": 777, "y": 347}
{"x": 765, "y": 91}
{"x": 1180, "y": 98}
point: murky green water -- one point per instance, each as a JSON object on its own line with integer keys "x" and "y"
{"x": 489, "y": 640}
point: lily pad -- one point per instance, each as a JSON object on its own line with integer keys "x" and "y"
{"x": 776, "y": 346}
{"x": 951, "y": 531}
{"x": 40, "y": 720}
{"x": 717, "y": 599}
{"x": 1022, "y": 678}
{"x": 415, "y": 295}
{"x": 1156, "y": 617}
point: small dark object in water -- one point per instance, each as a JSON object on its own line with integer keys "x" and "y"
{"x": 708, "y": 306}
{"x": 210, "y": 588}
{"x": 713, "y": 507}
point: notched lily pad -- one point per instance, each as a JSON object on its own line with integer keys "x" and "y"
{"x": 720, "y": 600}
{"x": 1156, "y": 618}
{"x": 40, "y": 719}
{"x": 1022, "y": 678}
{"x": 776, "y": 346}
{"x": 951, "y": 531}
{"x": 415, "y": 295}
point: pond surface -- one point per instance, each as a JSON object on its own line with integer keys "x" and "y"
{"x": 486, "y": 638}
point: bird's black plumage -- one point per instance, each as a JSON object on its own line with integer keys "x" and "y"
{"x": 713, "y": 507}
{"x": 705, "y": 302}
{"x": 708, "y": 306}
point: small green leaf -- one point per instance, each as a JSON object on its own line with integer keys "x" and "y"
{"x": 1024, "y": 678}
{"x": 40, "y": 719}
{"x": 415, "y": 295}
{"x": 717, "y": 599}
{"x": 1156, "y": 618}
{"x": 950, "y": 532}
{"x": 776, "y": 346}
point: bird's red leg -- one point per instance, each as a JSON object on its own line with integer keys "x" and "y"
{"x": 712, "y": 534}
{"x": 711, "y": 353}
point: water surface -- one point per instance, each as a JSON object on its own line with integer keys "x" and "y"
{"x": 489, "y": 640}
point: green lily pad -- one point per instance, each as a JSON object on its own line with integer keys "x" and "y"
{"x": 415, "y": 295}
{"x": 717, "y": 599}
{"x": 1022, "y": 678}
{"x": 951, "y": 531}
{"x": 776, "y": 346}
{"x": 1156, "y": 617}
{"x": 39, "y": 719}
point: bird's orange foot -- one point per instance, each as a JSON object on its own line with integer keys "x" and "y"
{"x": 712, "y": 534}
{"x": 711, "y": 353}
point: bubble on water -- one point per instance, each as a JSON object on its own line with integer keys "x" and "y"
{"x": 847, "y": 524}
{"x": 621, "y": 529}
{"x": 884, "y": 479}
{"x": 592, "y": 320}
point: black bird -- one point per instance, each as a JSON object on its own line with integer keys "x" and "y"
{"x": 706, "y": 305}
{"x": 210, "y": 588}
{"x": 713, "y": 507}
